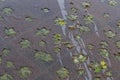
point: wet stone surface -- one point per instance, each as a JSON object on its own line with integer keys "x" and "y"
{"x": 59, "y": 39}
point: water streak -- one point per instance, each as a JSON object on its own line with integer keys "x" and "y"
{"x": 109, "y": 62}
{"x": 108, "y": 78}
{"x": 74, "y": 42}
{"x": 59, "y": 58}
{"x": 96, "y": 29}
{"x": 89, "y": 73}
{"x": 64, "y": 13}
{"x": 71, "y": 54}
{"x": 88, "y": 60}
{"x": 83, "y": 43}
{"x": 95, "y": 26}
{"x": 85, "y": 53}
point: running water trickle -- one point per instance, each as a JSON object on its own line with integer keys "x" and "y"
{"x": 95, "y": 26}
{"x": 109, "y": 62}
{"x": 59, "y": 58}
{"x": 64, "y": 13}
{"x": 74, "y": 42}
{"x": 88, "y": 71}
{"x": 108, "y": 78}
{"x": 88, "y": 60}
{"x": 71, "y": 54}
{"x": 2, "y": 39}
{"x": 96, "y": 29}
{"x": 84, "y": 52}
{"x": 83, "y": 44}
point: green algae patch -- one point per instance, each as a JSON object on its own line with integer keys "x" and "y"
{"x": 86, "y": 5}
{"x": 28, "y": 18}
{"x": 90, "y": 46}
{"x": 68, "y": 45}
{"x": 42, "y": 43}
{"x": 104, "y": 44}
{"x": 117, "y": 56}
{"x": 81, "y": 71}
{"x": 79, "y": 58}
{"x": 110, "y": 34}
{"x": 24, "y": 72}
{"x": 9, "y": 64}
{"x": 118, "y": 23}
{"x": 118, "y": 44}
{"x": 62, "y": 73}
{"x": 112, "y": 3}
{"x": 6, "y": 77}
{"x": 84, "y": 29}
{"x": 7, "y": 10}
{"x": 57, "y": 38}
{"x": 72, "y": 17}
{"x": 45, "y": 10}
{"x": 60, "y": 22}
{"x": 25, "y": 43}
{"x": 88, "y": 19}
{"x": 5, "y": 52}
{"x": 43, "y": 56}
{"x": 104, "y": 52}
{"x": 57, "y": 49}
{"x": 98, "y": 67}
{"x": 42, "y": 32}
{"x": 10, "y": 32}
